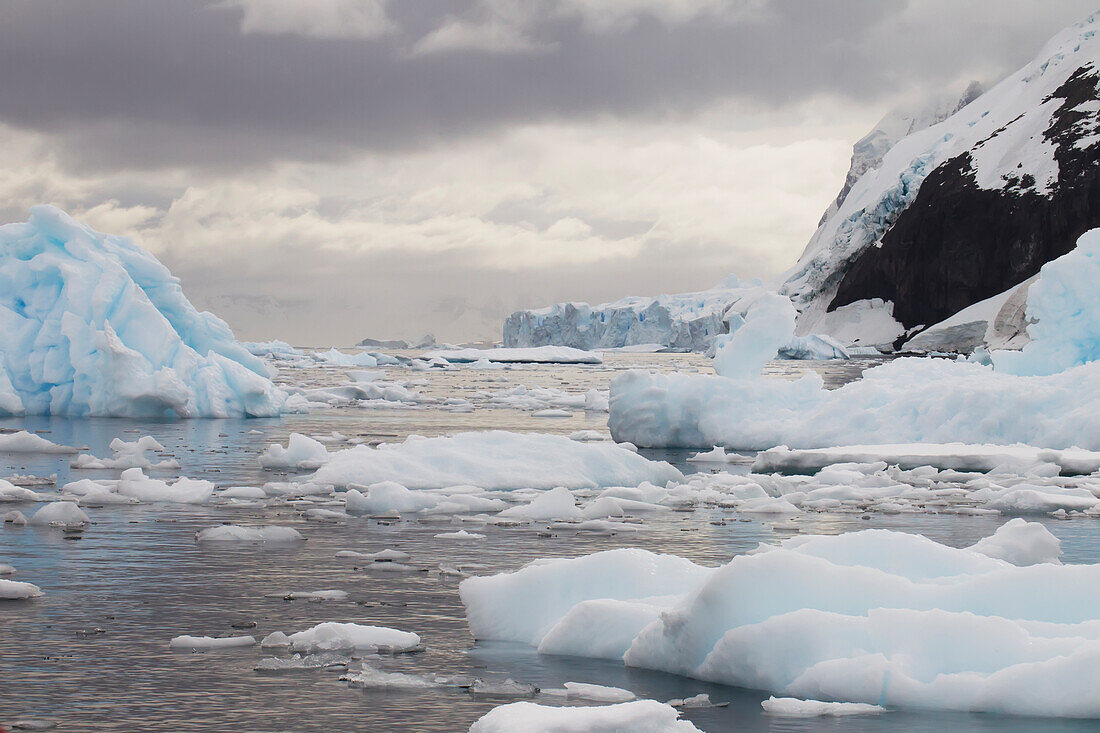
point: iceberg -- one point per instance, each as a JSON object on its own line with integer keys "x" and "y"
{"x": 875, "y": 617}
{"x": 92, "y": 325}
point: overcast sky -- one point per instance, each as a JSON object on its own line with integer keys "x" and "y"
{"x": 326, "y": 170}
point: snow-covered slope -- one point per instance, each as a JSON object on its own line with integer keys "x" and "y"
{"x": 682, "y": 321}
{"x": 967, "y": 208}
{"x": 91, "y": 324}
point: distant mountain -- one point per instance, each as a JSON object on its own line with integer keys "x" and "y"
{"x": 961, "y": 210}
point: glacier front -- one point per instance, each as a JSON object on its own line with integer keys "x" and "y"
{"x": 93, "y": 325}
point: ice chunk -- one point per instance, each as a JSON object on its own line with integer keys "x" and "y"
{"x": 325, "y": 660}
{"x": 14, "y": 518}
{"x": 459, "y": 535}
{"x": 554, "y": 504}
{"x": 526, "y": 605}
{"x": 275, "y": 640}
{"x": 339, "y": 358}
{"x": 315, "y": 595}
{"x": 7, "y": 569}
{"x": 14, "y": 590}
{"x": 874, "y": 617}
{"x": 127, "y": 455}
{"x": 640, "y": 716}
{"x": 369, "y": 678}
{"x": 237, "y": 533}
{"x": 24, "y": 442}
{"x": 493, "y": 460}
{"x": 388, "y": 496}
{"x": 62, "y": 513}
{"x": 209, "y": 642}
{"x": 767, "y": 327}
{"x": 792, "y": 707}
{"x": 333, "y": 636}
{"x": 593, "y": 693}
{"x": 301, "y": 452}
{"x": 954, "y": 456}
{"x": 1021, "y": 543}
{"x": 94, "y": 325}
{"x": 908, "y": 400}
{"x": 136, "y": 484}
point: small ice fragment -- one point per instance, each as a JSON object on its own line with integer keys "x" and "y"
{"x": 459, "y": 535}
{"x": 209, "y": 642}
{"x": 794, "y": 708}
{"x": 60, "y": 513}
{"x": 13, "y": 590}
{"x": 325, "y": 660}
{"x": 237, "y": 533}
{"x": 275, "y": 640}
{"x": 507, "y": 688}
{"x": 371, "y": 678}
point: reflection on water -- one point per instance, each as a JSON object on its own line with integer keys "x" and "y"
{"x": 138, "y": 575}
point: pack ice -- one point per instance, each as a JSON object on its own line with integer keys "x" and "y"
{"x": 91, "y": 324}
{"x": 875, "y": 617}
{"x": 1045, "y": 395}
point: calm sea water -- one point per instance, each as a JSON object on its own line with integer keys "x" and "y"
{"x": 138, "y": 575}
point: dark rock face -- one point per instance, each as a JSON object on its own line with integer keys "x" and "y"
{"x": 957, "y": 244}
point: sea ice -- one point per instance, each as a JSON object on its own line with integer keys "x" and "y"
{"x": 640, "y": 716}
{"x": 302, "y": 452}
{"x": 128, "y": 455}
{"x": 209, "y": 642}
{"x": 493, "y": 460}
{"x": 332, "y": 636}
{"x": 792, "y": 707}
{"x": 63, "y": 513}
{"x": 237, "y": 533}
{"x": 134, "y": 483}
{"x": 24, "y": 442}
{"x": 874, "y": 617}
{"x": 94, "y": 325}
{"x": 14, "y": 590}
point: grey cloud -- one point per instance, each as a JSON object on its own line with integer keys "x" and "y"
{"x": 133, "y": 83}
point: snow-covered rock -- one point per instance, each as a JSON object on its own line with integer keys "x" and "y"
{"x": 873, "y": 617}
{"x": 493, "y": 460}
{"x": 640, "y": 716}
{"x": 957, "y": 212}
{"x": 91, "y": 324}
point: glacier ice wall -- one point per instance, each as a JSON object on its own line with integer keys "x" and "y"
{"x": 93, "y": 325}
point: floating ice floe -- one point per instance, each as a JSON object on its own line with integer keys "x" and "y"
{"x": 875, "y": 617}
{"x": 640, "y": 716}
{"x": 14, "y": 590}
{"x": 297, "y": 662}
{"x": 14, "y": 518}
{"x": 792, "y": 707}
{"x": 459, "y": 535}
{"x": 13, "y": 493}
{"x": 60, "y": 513}
{"x": 128, "y": 455}
{"x": 949, "y": 456}
{"x": 194, "y": 643}
{"x": 24, "y": 442}
{"x": 339, "y": 358}
{"x": 271, "y": 348}
{"x": 493, "y": 460}
{"x": 134, "y": 483}
{"x": 301, "y": 452}
{"x": 237, "y": 533}
{"x": 369, "y": 678}
{"x": 94, "y": 325}
{"x": 333, "y": 636}
{"x": 315, "y": 595}
{"x": 590, "y": 692}
{"x": 6, "y": 569}
{"x": 532, "y": 355}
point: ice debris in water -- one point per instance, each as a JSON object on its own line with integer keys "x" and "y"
{"x": 24, "y": 442}
{"x": 60, "y": 513}
{"x": 315, "y": 595}
{"x": 15, "y": 518}
{"x": 95, "y": 325}
{"x": 792, "y": 707}
{"x": 640, "y": 716}
{"x": 7, "y": 569}
{"x": 296, "y": 662}
{"x": 237, "y": 533}
{"x": 702, "y": 700}
{"x": 128, "y": 455}
{"x": 493, "y": 460}
{"x": 14, "y": 590}
{"x": 505, "y": 688}
{"x": 532, "y": 355}
{"x": 591, "y": 692}
{"x": 196, "y": 643}
{"x": 875, "y": 617}
{"x": 369, "y": 678}
{"x": 302, "y": 452}
{"x": 333, "y": 636}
